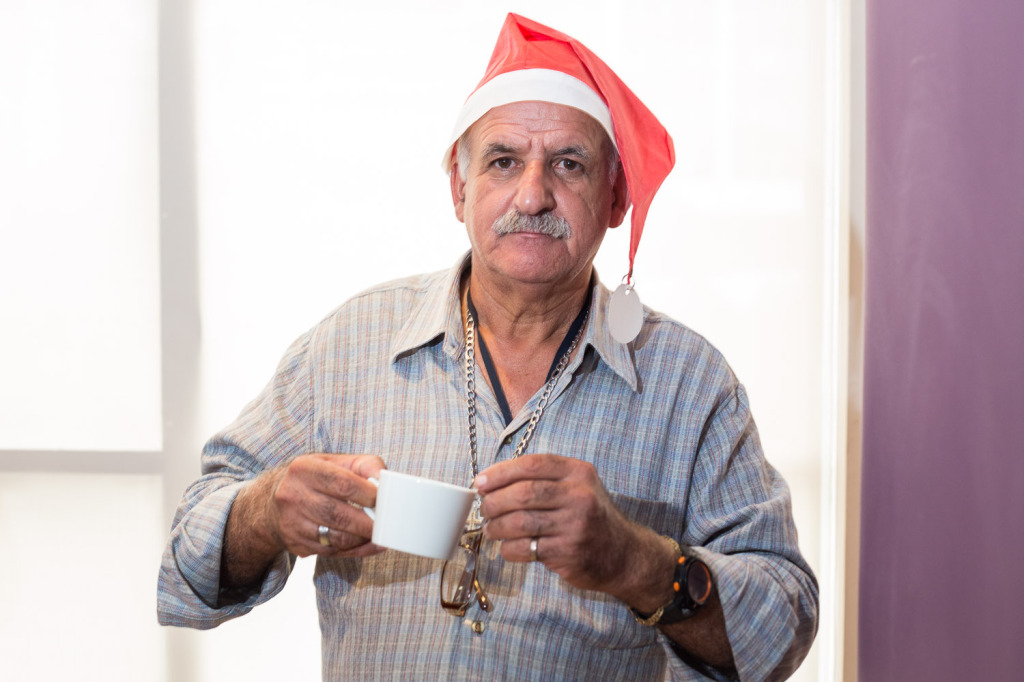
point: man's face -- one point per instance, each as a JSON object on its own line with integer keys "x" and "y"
{"x": 538, "y": 159}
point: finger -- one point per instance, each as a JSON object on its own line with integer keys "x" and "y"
{"x": 522, "y": 524}
{"x": 344, "y": 544}
{"x": 340, "y": 515}
{"x": 302, "y": 511}
{"x": 365, "y": 466}
{"x": 530, "y": 494}
{"x": 527, "y": 467}
{"x": 347, "y": 476}
{"x": 308, "y": 540}
{"x": 520, "y": 550}
{"x": 524, "y": 550}
{"x": 368, "y": 549}
{"x": 344, "y": 477}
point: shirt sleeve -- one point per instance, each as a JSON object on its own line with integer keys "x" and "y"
{"x": 272, "y": 429}
{"x": 740, "y": 523}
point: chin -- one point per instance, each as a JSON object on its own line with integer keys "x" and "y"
{"x": 531, "y": 265}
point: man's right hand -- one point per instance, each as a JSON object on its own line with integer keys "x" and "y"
{"x": 283, "y": 508}
{"x": 325, "y": 490}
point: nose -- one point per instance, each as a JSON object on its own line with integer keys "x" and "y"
{"x": 533, "y": 191}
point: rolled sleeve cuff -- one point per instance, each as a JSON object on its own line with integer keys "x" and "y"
{"x": 762, "y": 616}
{"x": 189, "y": 592}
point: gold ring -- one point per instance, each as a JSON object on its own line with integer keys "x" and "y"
{"x": 322, "y": 533}
{"x": 533, "y": 549}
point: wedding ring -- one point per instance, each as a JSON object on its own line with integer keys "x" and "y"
{"x": 533, "y": 549}
{"x": 322, "y": 533}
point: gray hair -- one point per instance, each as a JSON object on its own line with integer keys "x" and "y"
{"x": 545, "y": 223}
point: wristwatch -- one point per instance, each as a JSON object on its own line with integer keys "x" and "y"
{"x": 691, "y": 584}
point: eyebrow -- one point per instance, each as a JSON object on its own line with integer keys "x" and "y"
{"x": 498, "y": 148}
{"x": 574, "y": 150}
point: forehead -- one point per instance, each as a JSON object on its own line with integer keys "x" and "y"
{"x": 527, "y": 123}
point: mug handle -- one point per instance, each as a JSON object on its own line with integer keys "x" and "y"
{"x": 369, "y": 510}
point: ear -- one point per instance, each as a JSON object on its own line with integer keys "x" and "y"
{"x": 458, "y": 192}
{"x": 620, "y": 199}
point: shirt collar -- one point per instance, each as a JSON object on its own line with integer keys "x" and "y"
{"x": 618, "y": 356}
{"x": 439, "y": 314}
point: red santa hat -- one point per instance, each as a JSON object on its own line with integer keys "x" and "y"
{"x": 532, "y": 62}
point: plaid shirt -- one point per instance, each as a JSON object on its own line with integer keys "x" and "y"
{"x": 663, "y": 420}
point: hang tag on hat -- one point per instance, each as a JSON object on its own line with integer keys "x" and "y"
{"x": 625, "y": 313}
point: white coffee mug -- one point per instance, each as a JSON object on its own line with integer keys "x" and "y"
{"x": 419, "y": 515}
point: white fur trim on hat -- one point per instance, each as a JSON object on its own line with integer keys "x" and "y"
{"x": 529, "y": 85}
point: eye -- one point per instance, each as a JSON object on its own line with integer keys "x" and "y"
{"x": 504, "y": 163}
{"x": 570, "y": 165}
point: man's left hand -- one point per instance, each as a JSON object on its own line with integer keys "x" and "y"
{"x": 581, "y": 535}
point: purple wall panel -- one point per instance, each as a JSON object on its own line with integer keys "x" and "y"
{"x": 942, "y": 555}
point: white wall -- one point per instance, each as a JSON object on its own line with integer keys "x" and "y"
{"x": 314, "y": 133}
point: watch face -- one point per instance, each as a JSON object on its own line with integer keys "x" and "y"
{"x": 698, "y": 582}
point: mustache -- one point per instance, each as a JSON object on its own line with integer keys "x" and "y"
{"x": 546, "y": 223}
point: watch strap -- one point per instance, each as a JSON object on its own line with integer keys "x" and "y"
{"x": 683, "y": 604}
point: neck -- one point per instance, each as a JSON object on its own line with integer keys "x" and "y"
{"x": 530, "y": 315}
{"x": 523, "y": 329}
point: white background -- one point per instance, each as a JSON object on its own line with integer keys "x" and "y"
{"x": 314, "y": 133}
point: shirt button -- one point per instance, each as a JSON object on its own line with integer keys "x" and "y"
{"x": 508, "y": 440}
{"x": 478, "y": 627}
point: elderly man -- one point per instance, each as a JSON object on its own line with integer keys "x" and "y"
{"x": 633, "y": 528}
